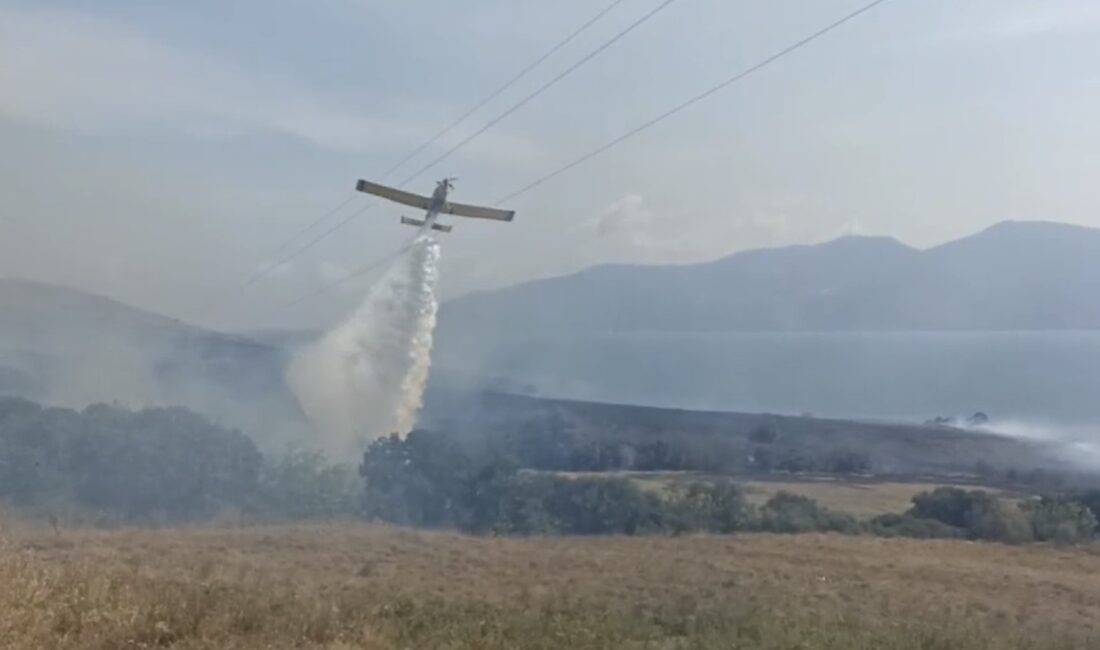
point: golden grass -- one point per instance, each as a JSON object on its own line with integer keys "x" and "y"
{"x": 345, "y": 586}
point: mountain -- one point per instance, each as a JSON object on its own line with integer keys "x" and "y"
{"x": 1012, "y": 276}
{"x": 71, "y": 348}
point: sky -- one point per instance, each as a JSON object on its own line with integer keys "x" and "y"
{"x": 161, "y": 153}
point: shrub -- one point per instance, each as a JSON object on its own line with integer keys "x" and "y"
{"x": 894, "y": 525}
{"x": 719, "y": 507}
{"x": 794, "y": 513}
{"x": 1065, "y": 522}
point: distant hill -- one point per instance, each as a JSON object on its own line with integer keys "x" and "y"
{"x": 724, "y": 439}
{"x": 72, "y": 348}
{"x": 1012, "y": 276}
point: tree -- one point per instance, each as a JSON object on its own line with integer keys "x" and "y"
{"x": 417, "y": 481}
{"x": 762, "y": 435}
{"x": 762, "y": 459}
{"x": 981, "y": 514}
{"x": 169, "y": 463}
{"x": 793, "y": 513}
{"x": 1062, "y": 521}
{"x": 301, "y": 484}
{"x": 950, "y": 505}
{"x": 846, "y": 461}
{"x": 719, "y": 507}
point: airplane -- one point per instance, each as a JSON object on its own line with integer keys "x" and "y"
{"x": 434, "y": 206}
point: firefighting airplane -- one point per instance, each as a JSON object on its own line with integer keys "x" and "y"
{"x": 434, "y": 206}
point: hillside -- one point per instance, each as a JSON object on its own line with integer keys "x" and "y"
{"x": 724, "y": 441}
{"x": 1012, "y": 276}
{"x": 68, "y": 347}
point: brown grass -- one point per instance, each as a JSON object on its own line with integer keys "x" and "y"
{"x": 347, "y": 586}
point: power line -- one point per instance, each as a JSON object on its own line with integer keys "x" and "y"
{"x": 667, "y": 114}
{"x": 362, "y": 270}
{"x": 303, "y": 231}
{"x": 264, "y": 272}
{"x": 508, "y": 84}
{"x": 493, "y": 122}
{"x": 694, "y": 100}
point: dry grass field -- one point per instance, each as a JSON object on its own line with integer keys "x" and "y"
{"x": 861, "y": 499}
{"x": 345, "y": 586}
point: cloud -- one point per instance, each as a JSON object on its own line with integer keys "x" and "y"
{"x": 76, "y": 71}
{"x": 629, "y": 216}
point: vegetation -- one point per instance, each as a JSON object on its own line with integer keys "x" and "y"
{"x": 339, "y": 587}
{"x": 426, "y": 480}
{"x": 110, "y": 464}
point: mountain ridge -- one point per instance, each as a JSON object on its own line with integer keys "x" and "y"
{"x": 1013, "y": 275}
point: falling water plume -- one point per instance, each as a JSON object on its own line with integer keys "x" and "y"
{"x": 365, "y": 378}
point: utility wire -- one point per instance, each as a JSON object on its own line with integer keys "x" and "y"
{"x": 267, "y": 270}
{"x": 654, "y": 121}
{"x": 694, "y": 100}
{"x": 362, "y": 270}
{"x": 508, "y": 84}
{"x": 493, "y": 122}
{"x": 547, "y": 86}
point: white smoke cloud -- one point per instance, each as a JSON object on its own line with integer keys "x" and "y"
{"x": 365, "y": 379}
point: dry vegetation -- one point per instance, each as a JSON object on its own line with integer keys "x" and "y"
{"x": 861, "y": 499}
{"x": 349, "y": 586}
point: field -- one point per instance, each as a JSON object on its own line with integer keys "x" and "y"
{"x": 345, "y": 586}
{"x": 862, "y": 499}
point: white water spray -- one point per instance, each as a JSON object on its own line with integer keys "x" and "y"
{"x": 365, "y": 379}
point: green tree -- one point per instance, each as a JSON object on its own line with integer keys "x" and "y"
{"x": 793, "y": 513}
{"x": 1062, "y": 521}
{"x": 302, "y": 484}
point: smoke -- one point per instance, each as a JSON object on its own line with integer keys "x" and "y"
{"x": 1078, "y": 445}
{"x": 365, "y": 378}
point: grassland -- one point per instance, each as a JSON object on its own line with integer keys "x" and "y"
{"x": 862, "y": 499}
{"x": 345, "y": 586}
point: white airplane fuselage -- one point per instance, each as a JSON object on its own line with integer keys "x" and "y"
{"x": 439, "y": 201}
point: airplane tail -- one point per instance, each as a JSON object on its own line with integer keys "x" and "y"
{"x": 419, "y": 223}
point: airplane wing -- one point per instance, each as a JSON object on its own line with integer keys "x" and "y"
{"x": 478, "y": 212}
{"x": 395, "y": 195}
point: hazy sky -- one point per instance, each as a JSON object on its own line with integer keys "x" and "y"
{"x": 159, "y": 152}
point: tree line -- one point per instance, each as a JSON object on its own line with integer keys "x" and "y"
{"x": 107, "y": 463}
{"x": 429, "y": 480}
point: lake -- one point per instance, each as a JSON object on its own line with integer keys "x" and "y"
{"x": 1043, "y": 378}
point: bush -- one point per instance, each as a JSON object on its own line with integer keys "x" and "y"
{"x": 950, "y": 505}
{"x": 302, "y": 484}
{"x": 1064, "y": 522}
{"x": 998, "y": 521}
{"x": 894, "y": 525}
{"x": 719, "y": 507}
{"x": 794, "y": 513}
